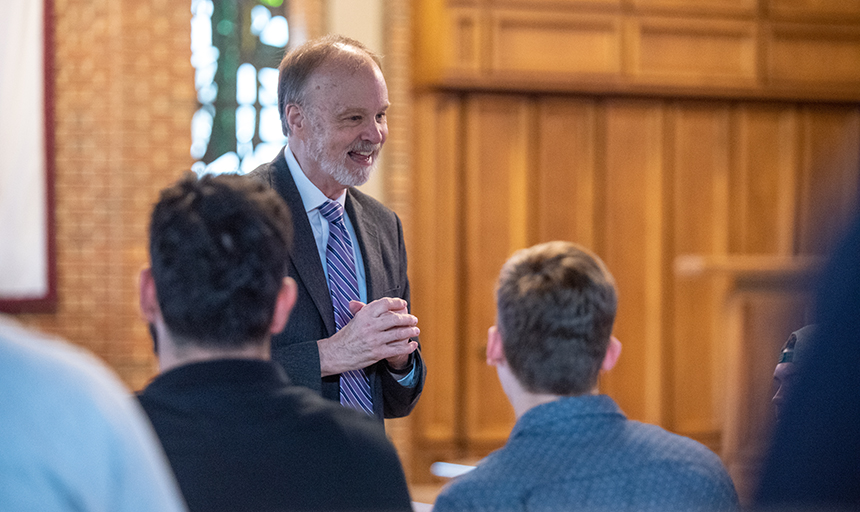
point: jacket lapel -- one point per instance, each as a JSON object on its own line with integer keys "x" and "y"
{"x": 368, "y": 244}
{"x": 304, "y": 255}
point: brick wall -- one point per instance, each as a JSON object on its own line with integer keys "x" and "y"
{"x": 124, "y": 96}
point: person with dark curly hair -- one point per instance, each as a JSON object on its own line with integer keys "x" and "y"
{"x": 239, "y": 434}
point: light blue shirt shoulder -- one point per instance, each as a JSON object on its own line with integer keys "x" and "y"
{"x": 72, "y": 436}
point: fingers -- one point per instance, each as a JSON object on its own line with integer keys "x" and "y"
{"x": 385, "y": 305}
{"x": 404, "y": 346}
{"x": 400, "y": 348}
{"x": 400, "y": 363}
{"x": 355, "y": 306}
{"x": 393, "y": 321}
{"x": 378, "y": 330}
{"x": 403, "y": 333}
{"x": 393, "y": 336}
{"x": 386, "y": 314}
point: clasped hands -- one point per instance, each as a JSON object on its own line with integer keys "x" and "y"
{"x": 379, "y": 330}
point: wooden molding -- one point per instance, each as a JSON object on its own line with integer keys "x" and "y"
{"x": 689, "y": 48}
{"x": 749, "y": 268}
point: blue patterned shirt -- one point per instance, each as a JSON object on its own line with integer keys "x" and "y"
{"x": 582, "y": 453}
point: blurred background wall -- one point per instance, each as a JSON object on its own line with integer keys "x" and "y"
{"x": 123, "y": 94}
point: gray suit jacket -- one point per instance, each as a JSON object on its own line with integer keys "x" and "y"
{"x": 380, "y": 239}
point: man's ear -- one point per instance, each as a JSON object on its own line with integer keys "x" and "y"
{"x": 148, "y": 297}
{"x": 613, "y": 352}
{"x": 495, "y": 350}
{"x": 283, "y": 305}
{"x": 295, "y": 117}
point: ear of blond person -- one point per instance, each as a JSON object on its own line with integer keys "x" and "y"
{"x": 520, "y": 398}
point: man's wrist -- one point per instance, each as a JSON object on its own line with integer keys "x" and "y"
{"x": 403, "y": 370}
{"x": 325, "y": 370}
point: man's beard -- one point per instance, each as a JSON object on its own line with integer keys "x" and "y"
{"x": 336, "y": 167}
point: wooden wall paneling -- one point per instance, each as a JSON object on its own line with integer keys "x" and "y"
{"x": 819, "y": 54}
{"x": 813, "y": 10}
{"x": 633, "y": 249}
{"x": 464, "y": 48}
{"x": 553, "y": 42}
{"x": 429, "y": 41}
{"x": 436, "y": 276}
{"x": 830, "y": 166}
{"x": 758, "y": 321}
{"x": 700, "y": 217}
{"x": 497, "y": 150}
{"x": 764, "y": 179}
{"x": 557, "y": 4}
{"x": 801, "y": 50}
{"x": 565, "y": 205}
{"x": 447, "y": 41}
{"x": 715, "y": 8}
{"x": 687, "y": 51}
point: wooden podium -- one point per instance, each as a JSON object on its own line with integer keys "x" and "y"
{"x": 765, "y": 299}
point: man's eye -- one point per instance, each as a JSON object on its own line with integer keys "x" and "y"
{"x": 355, "y": 118}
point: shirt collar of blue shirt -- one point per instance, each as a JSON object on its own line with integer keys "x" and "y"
{"x": 312, "y": 197}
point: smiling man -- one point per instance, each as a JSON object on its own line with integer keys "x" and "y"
{"x": 351, "y": 336}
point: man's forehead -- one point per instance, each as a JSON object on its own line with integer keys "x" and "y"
{"x": 339, "y": 69}
{"x": 347, "y": 107}
{"x": 335, "y": 88}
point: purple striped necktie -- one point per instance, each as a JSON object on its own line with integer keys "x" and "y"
{"x": 343, "y": 285}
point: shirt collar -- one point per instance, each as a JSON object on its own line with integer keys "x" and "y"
{"x": 560, "y": 414}
{"x": 312, "y": 197}
{"x": 233, "y": 372}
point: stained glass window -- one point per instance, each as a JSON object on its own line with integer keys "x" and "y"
{"x": 236, "y": 46}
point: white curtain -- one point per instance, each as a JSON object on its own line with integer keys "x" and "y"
{"x": 23, "y": 239}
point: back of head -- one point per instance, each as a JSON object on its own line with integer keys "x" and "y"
{"x": 299, "y": 64}
{"x": 556, "y": 306}
{"x": 219, "y": 246}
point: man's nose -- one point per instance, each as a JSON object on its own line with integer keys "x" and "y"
{"x": 778, "y": 397}
{"x": 376, "y": 132}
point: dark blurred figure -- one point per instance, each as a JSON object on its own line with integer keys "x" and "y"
{"x": 794, "y": 351}
{"x": 814, "y": 460}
